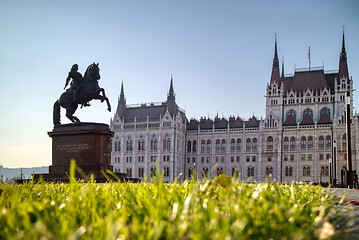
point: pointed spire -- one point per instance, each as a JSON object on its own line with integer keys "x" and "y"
{"x": 171, "y": 100}
{"x": 275, "y": 68}
{"x": 275, "y": 59}
{"x": 282, "y": 68}
{"x": 122, "y": 99}
{"x": 343, "y": 65}
{"x": 171, "y": 92}
{"x": 121, "y": 107}
{"x": 343, "y": 54}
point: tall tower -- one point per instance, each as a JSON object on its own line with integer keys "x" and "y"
{"x": 171, "y": 99}
{"x": 275, "y": 68}
{"x": 274, "y": 92}
{"x": 121, "y": 107}
{"x": 343, "y": 65}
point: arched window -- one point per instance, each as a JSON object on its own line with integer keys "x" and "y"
{"x": 239, "y": 145}
{"x": 167, "y": 143}
{"x": 270, "y": 143}
{"x": 223, "y": 146}
{"x": 269, "y": 171}
{"x": 308, "y": 112}
{"x": 321, "y": 142}
{"x": 324, "y": 171}
{"x": 234, "y": 171}
{"x": 254, "y": 144}
{"x": 306, "y": 171}
{"x": 219, "y": 170}
{"x": 189, "y": 146}
{"x": 328, "y": 142}
{"x": 250, "y": 171}
{"x": 154, "y": 143}
{"x": 203, "y": 146}
{"x": 194, "y": 147}
{"x": 209, "y": 146}
{"x": 166, "y": 171}
{"x": 291, "y": 113}
{"x": 248, "y": 144}
{"x": 344, "y": 140}
{"x": 218, "y": 145}
{"x": 129, "y": 172}
{"x": 325, "y": 111}
{"x": 190, "y": 172}
{"x": 288, "y": 171}
{"x": 310, "y": 142}
{"x": 286, "y": 143}
{"x": 140, "y": 172}
{"x": 129, "y": 144}
{"x": 153, "y": 171}
{"x": 292, "y": 143}
{"x": 233, "y": 145}
{"x": 303, "y": 143}
{"x": 204, "y": 172}
{"x": 141, "y": 144}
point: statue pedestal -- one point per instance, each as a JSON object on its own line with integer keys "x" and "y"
{"x": 89, "y": 144}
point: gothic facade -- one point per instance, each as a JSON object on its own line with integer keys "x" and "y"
{"x": 301, "y": 138}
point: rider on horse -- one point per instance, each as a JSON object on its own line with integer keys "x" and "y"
{"x": 75, "y": 83}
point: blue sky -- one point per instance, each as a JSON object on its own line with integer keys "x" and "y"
{"x": 219, "y": 52}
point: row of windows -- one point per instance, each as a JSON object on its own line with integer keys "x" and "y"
{"x": 307, "y": 100}
{"x": 141, "y": 144}
{"x": 166, "y": 158}
{"x": 141, "y": 172}
{"x": 324, "y": 171}
{"x": 290, "y": 143}
{"x": 306, "y": 112}
{"x": 221, "y": 145}
{"x": 251, "y": 144}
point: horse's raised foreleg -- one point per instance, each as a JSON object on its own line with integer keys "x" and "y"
{"x": 104, "y": 98}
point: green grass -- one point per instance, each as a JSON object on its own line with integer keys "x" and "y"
{"x": 214, "y": 209}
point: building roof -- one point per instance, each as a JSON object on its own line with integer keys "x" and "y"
{"x": 324, "y": 119}
{"x": 307, "y": 120}
{"x": 313, "y": 80}
{"x": 192, "y": 125}
{"x": 237, "y": 123}
{"x": 290, "y": 121}
{"x": 154, "y": 113}
{"x": 220, "y": 123}
{"x": 206, "y": 123}
{"x": 252, "y": 122}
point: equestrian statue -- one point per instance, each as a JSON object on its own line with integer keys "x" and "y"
{"x": 82, "y": 90}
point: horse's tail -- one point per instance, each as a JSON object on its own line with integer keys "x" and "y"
{"x": 56, "y": 113}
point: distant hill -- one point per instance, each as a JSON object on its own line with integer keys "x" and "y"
{"x": 8, "y": 173}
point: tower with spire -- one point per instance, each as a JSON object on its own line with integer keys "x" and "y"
{"x": 171, "y": 99}
{"x": 343, "y": 65}
{"x": 274, "y": 88}
{"x": 121, "y": 107}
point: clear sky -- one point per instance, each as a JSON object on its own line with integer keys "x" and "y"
{"x": 219, "y": 52}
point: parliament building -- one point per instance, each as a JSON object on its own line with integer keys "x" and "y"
{"x": 302, "y": 137}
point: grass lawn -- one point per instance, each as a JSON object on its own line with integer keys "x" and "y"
{"x": 221, "y": 208}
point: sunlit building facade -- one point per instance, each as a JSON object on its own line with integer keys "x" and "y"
{"x": 301, "y": 138}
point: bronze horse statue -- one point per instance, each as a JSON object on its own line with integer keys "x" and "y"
{"x": 89, "y": 90}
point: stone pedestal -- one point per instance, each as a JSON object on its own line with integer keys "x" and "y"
{"x": 89, "y": 144}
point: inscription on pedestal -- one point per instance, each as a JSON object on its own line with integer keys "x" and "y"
{"x": 69, "y": 148}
